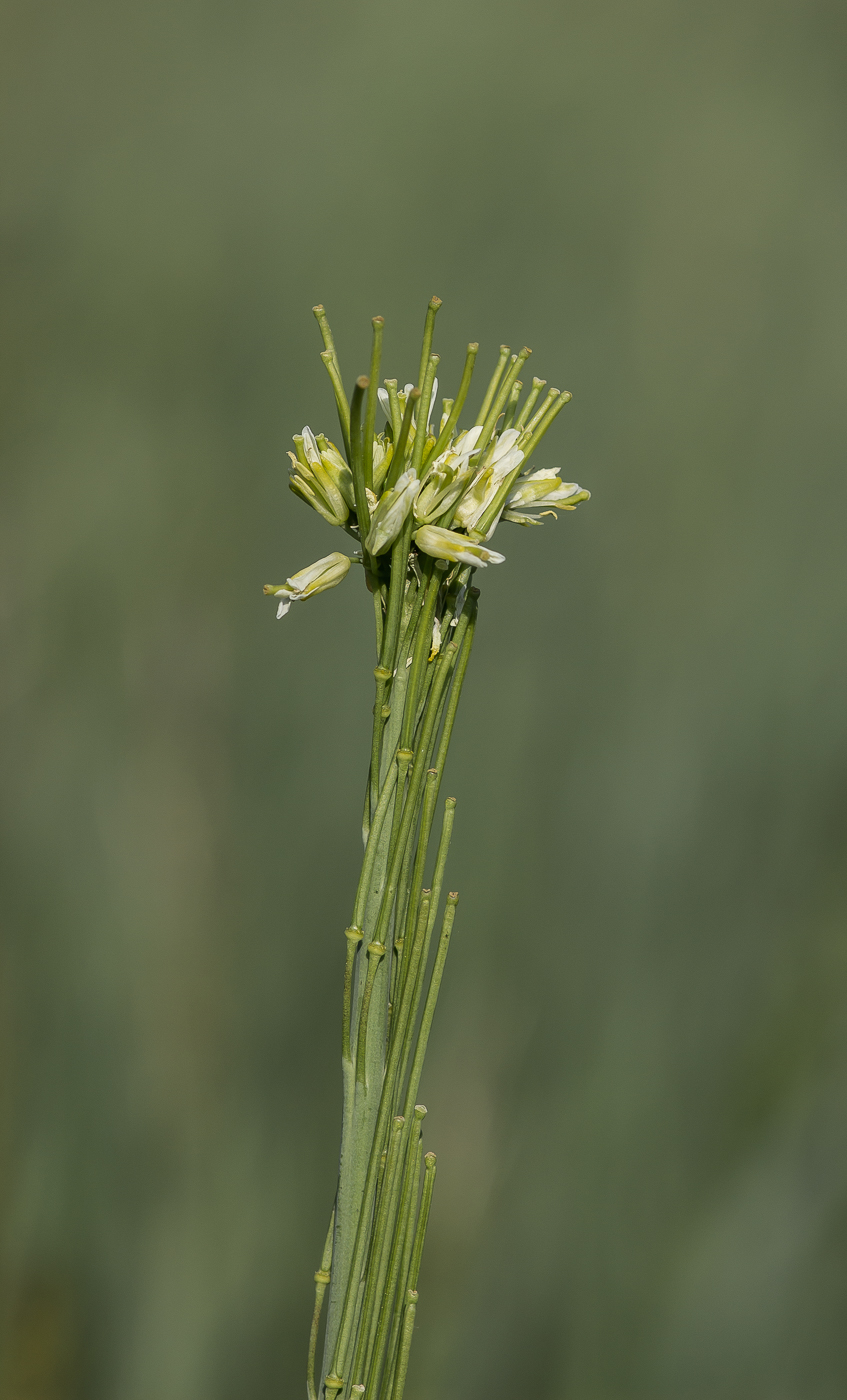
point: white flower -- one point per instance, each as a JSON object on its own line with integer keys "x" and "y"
{"x": 458, "y": 454}
{"x": 442, "y": 489}
{"x": 323, "y": 480}
{"x": 467, "y": 441}
{"x": 324, "y": 573}
{"x": 386, "y": 403}
{"x": 505, "y": 442}
{"x": 391, "y": 512}
{"x": 498, "y": 461}
{"x": 447, "y": 544}
{"x": 542, "y": 491}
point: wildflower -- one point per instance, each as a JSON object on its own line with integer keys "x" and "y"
{"x": 447, "y": 544}
{"x": 445, "y": 481}
{"x": 318, "y": 483}
{"x": 324, "y": 573}
{"x": 391, "y": 512}
{"x": 542, "y": 491}
{"x": 497, "y": 463}
{"x": 458, "y": 454}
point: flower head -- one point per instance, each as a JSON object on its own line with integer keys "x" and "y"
{"x": 324, "y": 573}
{"x": 423, "y": 477}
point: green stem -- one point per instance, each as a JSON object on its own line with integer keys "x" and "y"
{"x": 458, "y": 404}
{"x": 405, "y": 1259}
{"x": 423, "y": 414}
{"x": 396, "y": 466}
{"x": 552, "y": 395}
{"x": 512, "y": 405}
{"x": 429, "y": 327}
{"x": 432, "y": 997}
{"x": 378, "y": 324}
{"x": 387, "y": 1286}
{"x": 423, "y": 1220}
{"x": 423, "y": 642}
{"x": 394, "y": 405}
{"x": 354, "y": 938}
{"x": 405, "y": 1345}
{"x": 505, "y": 352}
{"x": 531, "y": 441}
{"x": 501, "y": 396}
{"x": 376, "y": 952}
{"x": 470, "y": 613}
{"x": 330, "y": 359}
{"x": 373, "y": 847}
{"x": 357, "y": 465}
{"x": 354, "y": 1269}
{"x": 382, "y": 674}
{"x": 420, "y": 970}
{"x": 322, "y": 1278}
{"x": 412, "y": 805}
{"x": 387, "y": 1198}
{"x": 530, "y": 402}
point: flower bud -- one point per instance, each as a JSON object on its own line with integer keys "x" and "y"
{"x": 321, "y": 485}
{"x": 324, "y": 573}
{"x": 458, "y": 549}
{"x": 337, "y": 469}
{"x": 383, "y": 453}
{"x": 391, "y": 512}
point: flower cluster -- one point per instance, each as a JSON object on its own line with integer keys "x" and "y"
{"x": 409, "y": 491}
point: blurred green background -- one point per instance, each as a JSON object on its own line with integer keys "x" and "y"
{"x": 638, "y": 1073}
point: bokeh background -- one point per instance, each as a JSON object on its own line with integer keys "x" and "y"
{"x": 638, "y": 1073}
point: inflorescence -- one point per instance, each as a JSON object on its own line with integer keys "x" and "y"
{"x": 442, "y": 495}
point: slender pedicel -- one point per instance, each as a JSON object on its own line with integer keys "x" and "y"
{"x": 399, "y": 457}
{"x": 501, "y": 397}
{"x": 394, "y": 407}
{"x": 505, "y": 352}
{"x": 420, "y": 431}
{"x": 459, "y": 402}
{"x": 322, "y": 1278}
{"x": 529, "y": 402}
{"x": 378, "y": 324}
{"x": 512, "y": 405}
{"x": 544, "y": 423}
{"x": 429, "y": 326}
